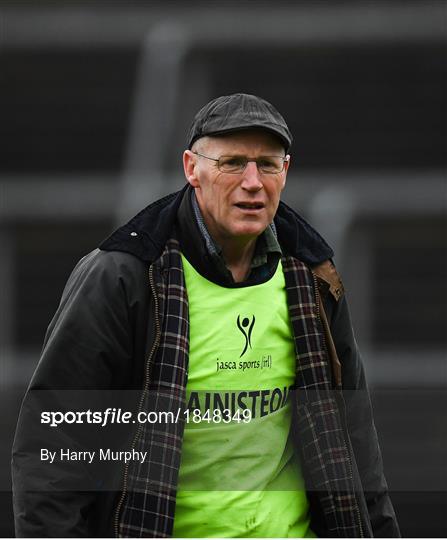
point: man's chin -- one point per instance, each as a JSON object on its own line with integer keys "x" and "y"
{"x": 248, "y": 231}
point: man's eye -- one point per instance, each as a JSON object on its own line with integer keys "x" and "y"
{"x": 234, "y": 161}
{"x": 267, "y": 164}
{"x": 264, "y": 162}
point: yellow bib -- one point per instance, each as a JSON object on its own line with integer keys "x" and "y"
{"x": 239, "y": 475}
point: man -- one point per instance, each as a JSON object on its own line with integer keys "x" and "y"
{"x": 222, "y": 307}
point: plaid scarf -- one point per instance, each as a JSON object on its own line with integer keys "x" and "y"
{"x": 147, "y": 505}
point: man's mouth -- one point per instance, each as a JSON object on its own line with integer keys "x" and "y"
{"x": 250, "y": 206}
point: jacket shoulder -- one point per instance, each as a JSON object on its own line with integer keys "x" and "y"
{"x": 107, "y": 267}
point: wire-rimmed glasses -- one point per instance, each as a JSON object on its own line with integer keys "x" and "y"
{"x": 237, "y": 164}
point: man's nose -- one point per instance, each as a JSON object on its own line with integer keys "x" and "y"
{"x": 251, "y": 177}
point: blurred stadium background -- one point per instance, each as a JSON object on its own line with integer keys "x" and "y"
{"x": 95, "y": 101}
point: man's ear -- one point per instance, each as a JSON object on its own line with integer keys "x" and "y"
{"x": 189, "y": 166}
{"x": 286, "y": 168}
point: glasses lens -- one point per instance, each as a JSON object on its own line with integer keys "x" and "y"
{"x": 232, "y": 164}
{"x": 270, "y": 164}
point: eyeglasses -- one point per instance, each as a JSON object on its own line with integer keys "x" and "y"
{"x": 237, "y": 164}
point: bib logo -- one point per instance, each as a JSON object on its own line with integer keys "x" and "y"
{"x": 246, "y": 327}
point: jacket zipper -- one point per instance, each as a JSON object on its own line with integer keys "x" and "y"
{"x": 357, "y": 509}
{"x": 143, "y": 395}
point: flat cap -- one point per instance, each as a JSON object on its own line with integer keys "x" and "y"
{"x": 238, "y": 112}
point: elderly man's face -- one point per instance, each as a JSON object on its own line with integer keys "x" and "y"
{"x": 236, "y": 205}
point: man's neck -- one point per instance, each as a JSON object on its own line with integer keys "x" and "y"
{"x": 238, "y": 254}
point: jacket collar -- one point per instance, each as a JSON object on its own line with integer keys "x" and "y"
{"x": 146, "y": 234}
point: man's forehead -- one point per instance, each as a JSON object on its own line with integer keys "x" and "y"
{"x": 241, "y": 141}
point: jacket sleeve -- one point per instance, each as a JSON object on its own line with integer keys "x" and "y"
{"x": 88, "y": 349}
{"x": 360, "y": 423}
